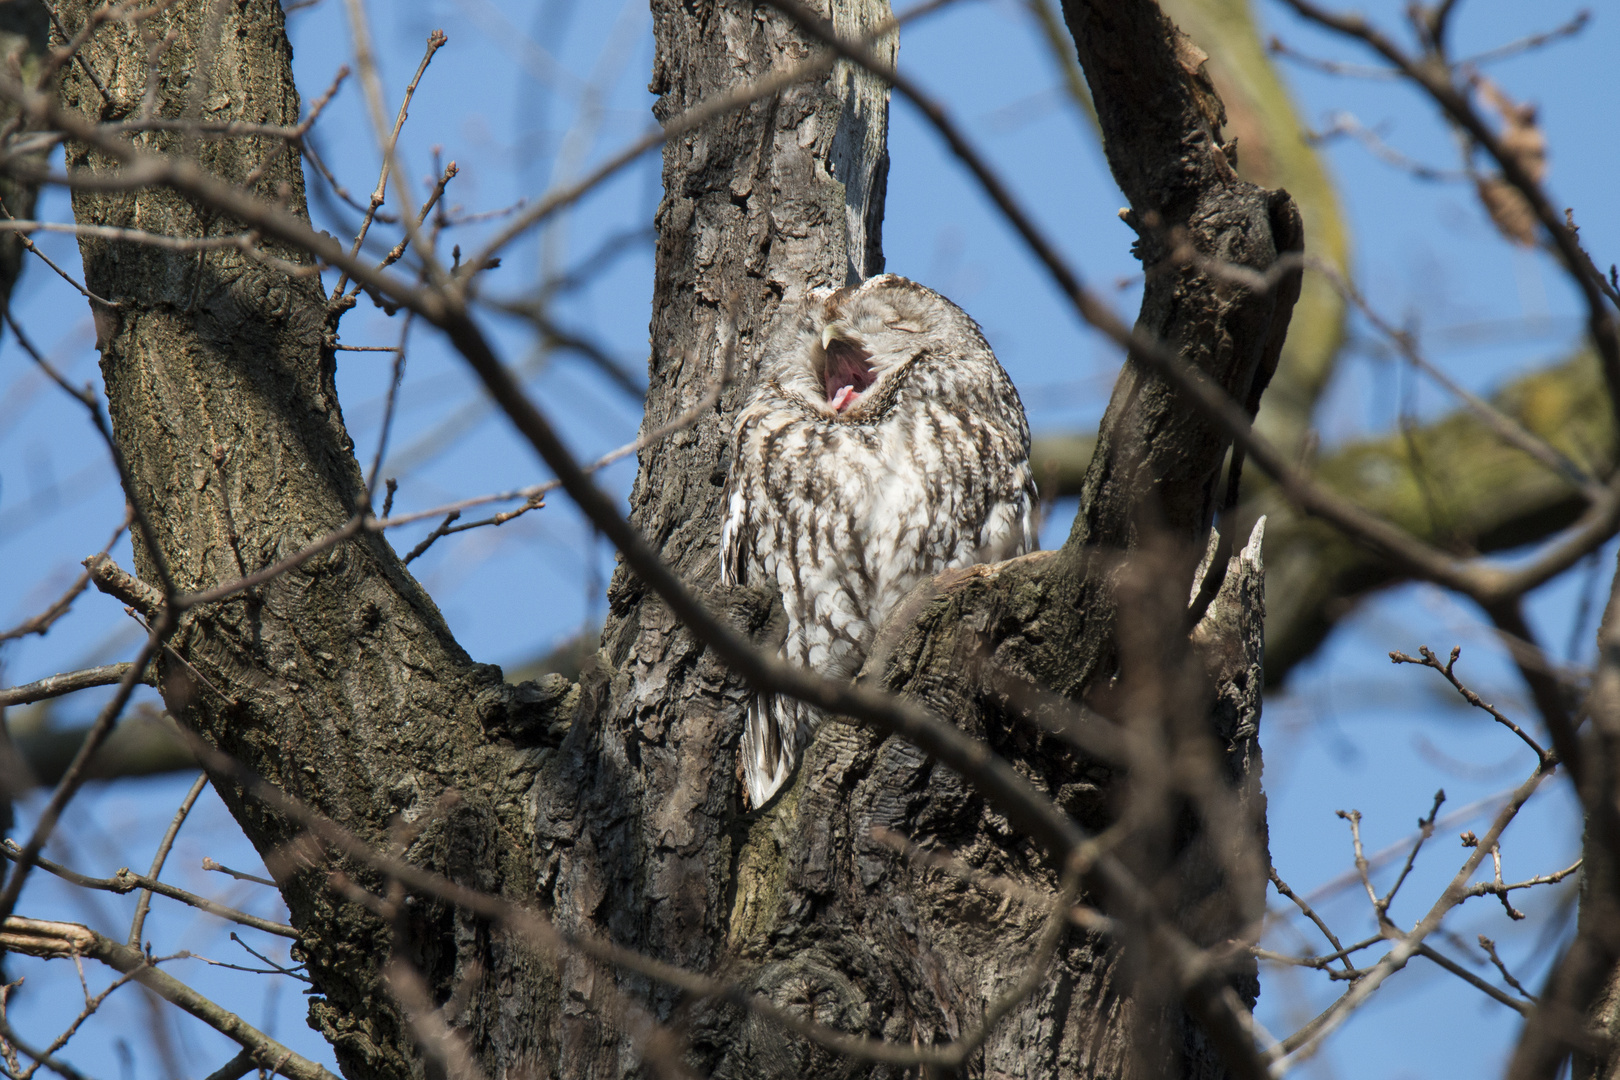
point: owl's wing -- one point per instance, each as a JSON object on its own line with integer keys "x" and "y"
{"x": 769, "y": 746}
{"x": 1009, "y": 527}
{"x": 770, "y": 743}
{"x": 736, "y": 537}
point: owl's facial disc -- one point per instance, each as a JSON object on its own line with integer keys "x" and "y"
{"x": 847, "y": 372}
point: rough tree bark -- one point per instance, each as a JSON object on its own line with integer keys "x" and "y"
{"x": 340, "y": 682}
{"x": 805, "y": 903}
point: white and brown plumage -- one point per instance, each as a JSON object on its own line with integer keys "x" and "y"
{"x": 882, "y": 444}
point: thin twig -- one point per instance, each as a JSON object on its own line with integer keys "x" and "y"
{"x": 1425, "y": 830}
{"x": 1278, "y": 47}
{"x": 556, "y": 337}
{"x": 125, "y": 882}
{"x": 1325, "y": 961}
{"x": 11, "y": 224}
{"x": 239, "y": 875}
{"x": 1473, "y": 980}
{"x": 388, "y": 140}
{"x": 1530, "y": 42}
{"x": 312, "y": 155}
{"x": 1507, "y": 976}
{"x": 1407, "y": 945}
{"x": 73, "y": 43}
{"x": 1354, "y": 818}
{"x": 269, "y": 963}
{"x": 431, "y": 538}
{"x": 1310, "y": 913}
{"x": 144, "y": 901}
{"x": 245, "y": 242}
{"x": 297, "y": 133}
{"x": 41, "y": 623}
{"x": 1342, "y": 123}
{"x": 77, "y": 771}
{"x": 586, "y": 270}
{"x": 41, "y": 1057}
{"x": 1429, "y": 660}
{"x": 397, "y": 252}
{"x": 1499, "y": 888}
{"x": 394, "y": 381}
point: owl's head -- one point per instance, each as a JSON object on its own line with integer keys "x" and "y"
{"x": 856, "y": 342}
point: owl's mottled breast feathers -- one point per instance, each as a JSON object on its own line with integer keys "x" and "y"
{"x": 882, "y": 444}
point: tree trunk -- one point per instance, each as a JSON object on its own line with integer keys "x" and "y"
{"x": 340, "y": 683}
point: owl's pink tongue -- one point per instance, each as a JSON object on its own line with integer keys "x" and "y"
{"x": 846, "y": 375}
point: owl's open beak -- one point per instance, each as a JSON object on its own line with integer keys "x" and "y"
{"x": 846, "y": 372}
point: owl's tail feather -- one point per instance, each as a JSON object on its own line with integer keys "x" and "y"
{"x": 770, "y": 747}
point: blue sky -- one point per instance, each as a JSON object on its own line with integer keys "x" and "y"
{"x": 1347, "y": 732}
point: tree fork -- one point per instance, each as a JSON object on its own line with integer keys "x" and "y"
{"x": 340, "y": 683}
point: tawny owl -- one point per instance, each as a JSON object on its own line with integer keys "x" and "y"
{"x": 882, "y": 444}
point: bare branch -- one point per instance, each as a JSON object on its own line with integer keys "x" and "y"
{"x": 397, "y": 252}
{"x": 266, "y": 961}
{"x": 388, "y": 141}
{"x": 1407, "y": 945}
{"x": 76, "y": 772}
{"x": 1490, "y": 950}
{"x": 180, "y": 815}
{"x": 125, "y": 882}
{"x": 210, "y": 864}
{"x": 1429, "y": 660}
{"x": 34, "y": 937}
{"x": 1436, "y": 81}
{"x": 436, "y": 1038}
{"x": 1354, "y": 818}
{"x": 1501, "y": 889}
{"x": 41, "y": 623}
{"x": 443, "y": 530}
{"x": 1425, "y": 830}
{"x": 69, "y": 682}
{"x": 1342, "y": 123}
{"x": 1473, "y": 980}
{"x": 1530, "y": 42}
{"x": 1278, "y": 47}
{"x": 1310, "y": 913}
{"x": 388, "y": 405}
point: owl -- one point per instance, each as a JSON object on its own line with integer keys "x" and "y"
{"x": 882, "y": 444}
